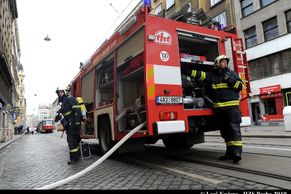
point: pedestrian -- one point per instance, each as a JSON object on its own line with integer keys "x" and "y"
{"x": 71, "y": 122}
{"x": 224, "y": 87}
{"x": 37, "y": 131}
{"x": 20, "y": 130}
{"x": 27, "y": 131}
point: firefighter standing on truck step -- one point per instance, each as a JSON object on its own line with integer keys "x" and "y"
{"x": 71, "y": 122}
{"x": 225, "y": 86}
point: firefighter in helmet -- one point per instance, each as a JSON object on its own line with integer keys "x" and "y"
{"x": 224, "y": 87}
{"x": 71, "y": 122}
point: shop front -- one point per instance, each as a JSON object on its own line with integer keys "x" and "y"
{"x": 273, "y": 101}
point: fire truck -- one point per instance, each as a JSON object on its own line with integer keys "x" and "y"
{"x": 139, "y": 75}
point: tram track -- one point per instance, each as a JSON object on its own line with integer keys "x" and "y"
{"x": 245, "y": 172}
{"x": 234, "y": 168}
{"x": 247, "y": 152}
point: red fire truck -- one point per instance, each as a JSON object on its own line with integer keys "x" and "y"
{"x": 139, "y": 75}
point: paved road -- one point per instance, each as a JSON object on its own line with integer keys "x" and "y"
{"x": 36, "y": 160}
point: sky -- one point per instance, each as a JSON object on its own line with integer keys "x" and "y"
{"x": 76, "y": 28}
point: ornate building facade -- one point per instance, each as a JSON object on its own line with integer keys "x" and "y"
{"x": 9, "y": 63}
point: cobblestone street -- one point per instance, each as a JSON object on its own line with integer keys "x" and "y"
{"x": 33, "y": 161}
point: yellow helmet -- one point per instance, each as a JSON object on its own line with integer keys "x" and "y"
{"x": 80, "y": 100}
{"x": 221, "y": 57}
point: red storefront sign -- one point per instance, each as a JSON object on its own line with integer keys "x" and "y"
{"x": 270, "y": 92}
{"x": 270, "y": 89}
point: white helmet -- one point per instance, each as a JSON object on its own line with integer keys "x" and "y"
{"x": 221, "y": 57}
{"x": 60, "y": 89}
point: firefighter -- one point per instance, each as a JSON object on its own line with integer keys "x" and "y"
{"x": 71, "y": 122}
{"x": 224, "y": 87}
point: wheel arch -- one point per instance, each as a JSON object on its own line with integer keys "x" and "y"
{"x": 106, "y": 113}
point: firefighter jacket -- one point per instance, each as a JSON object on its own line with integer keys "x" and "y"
{"x": 224, "y": 85}
{"x": 70, "y": 109}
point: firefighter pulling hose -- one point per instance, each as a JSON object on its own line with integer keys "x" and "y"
{"x": 95, "y": 164}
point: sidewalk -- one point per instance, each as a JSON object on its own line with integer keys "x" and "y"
{"x": 15, "y": 137}
{"x": 260, "y": 131}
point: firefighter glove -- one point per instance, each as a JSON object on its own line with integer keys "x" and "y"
{"x": 58, "y": 117}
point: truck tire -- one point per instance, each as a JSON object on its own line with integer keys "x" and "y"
{"x": 178, "y": 141}
{"x": 104, "y": 134}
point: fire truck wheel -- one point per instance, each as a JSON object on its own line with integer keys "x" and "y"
{"x": 105, "y": 141}
{"x": 178, "y": 141}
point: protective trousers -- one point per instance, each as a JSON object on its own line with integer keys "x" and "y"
{"x": 73, "y": 139}
{"x": 228, "y": 120}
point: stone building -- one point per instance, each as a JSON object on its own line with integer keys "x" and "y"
{"x": 9, "y": 62}
{"x": 266, "y": 26}
{"x": 218, "y": 10}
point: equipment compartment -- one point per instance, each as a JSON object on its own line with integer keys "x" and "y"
{"x": 196, "y": 52}
{"x": 130, "y": 94}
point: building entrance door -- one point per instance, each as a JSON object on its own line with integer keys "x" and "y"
{"x": 256, "y": 113}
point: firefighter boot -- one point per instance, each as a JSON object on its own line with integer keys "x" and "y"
{"x": 227, "y": 156}
{"x": 74, "y": 157}
{"x": 236, "y": 156}
{"x": 72, "y": 162}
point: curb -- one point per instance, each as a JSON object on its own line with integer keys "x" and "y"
{"x": 5, "y": 144}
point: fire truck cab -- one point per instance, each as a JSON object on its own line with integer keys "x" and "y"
{"x": 140, "y": 75}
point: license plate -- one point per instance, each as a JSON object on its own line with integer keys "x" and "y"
{"x": 169, "y": 100}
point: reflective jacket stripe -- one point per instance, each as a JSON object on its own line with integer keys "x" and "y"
{"x": 234, "y": 143}
{"x": 219, "y": 86}
{"x": 203, "y": 76}
{"x": 194, "y": 73}
{"x": 237, "y": 84}
{"x": 67, "y": 113}
{"x": 76, "y": 106}
{"x": 226, "y": 104}
{"x": 75, "y": 150}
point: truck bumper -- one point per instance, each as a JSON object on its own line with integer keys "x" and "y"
{"x": 167, "y": 127}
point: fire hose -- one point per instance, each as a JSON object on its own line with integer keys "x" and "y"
{"x": 95, "y": 164}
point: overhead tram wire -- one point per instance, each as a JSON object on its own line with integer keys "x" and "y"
{"x": 114, "y": 22}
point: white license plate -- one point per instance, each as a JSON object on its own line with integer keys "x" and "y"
{"x": 169, "y": 100}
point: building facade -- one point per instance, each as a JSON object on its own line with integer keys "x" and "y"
{"x": 20, "y": 114}
{"x": 218, "y": 10}
{"x": 44, "y": 112}
{"x": 9, "y": 61}
{"x": 266, "y": 26}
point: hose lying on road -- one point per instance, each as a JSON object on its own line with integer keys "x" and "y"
{"x": 95, "y": 164}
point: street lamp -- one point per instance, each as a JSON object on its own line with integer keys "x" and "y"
{"x": 47, "y": 38}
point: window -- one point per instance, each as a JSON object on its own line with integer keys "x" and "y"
{"x": 169, "y": 3}
{"x": 250, "y": 37}
{"x": 246, "y": 7}
{"x": 214, "y": 2}
{"x": 266, "y": 2}
{"x": 270, "y": 106}
{"x": 288, "y": 20}
{"x": 275, "y": 64}
{"x": 288, "y": 99}
{"x": 221, "y": 18}
{"x": 270, "y": 29}
{"x": 286, "y": 61}
{"x": 158, "y": 9}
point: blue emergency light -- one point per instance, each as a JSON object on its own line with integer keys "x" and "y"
{"x": 148, "y": 3}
